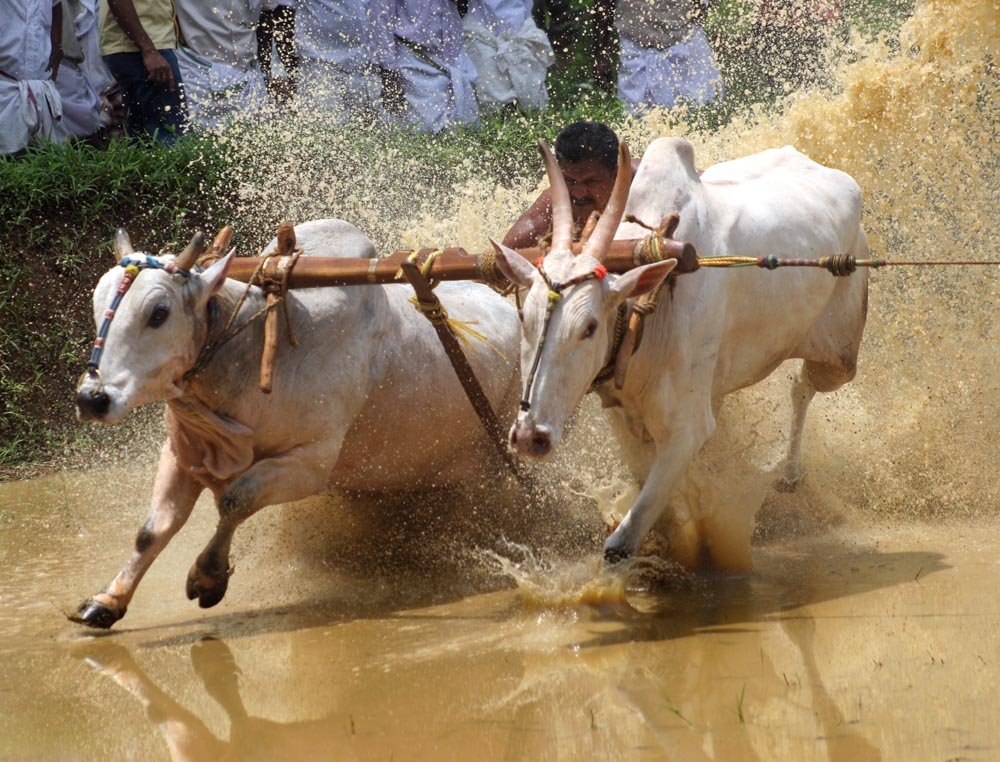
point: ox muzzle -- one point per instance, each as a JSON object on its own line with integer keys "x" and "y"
{"x": 92, "y": 401}
{"x": 530, "y": 440}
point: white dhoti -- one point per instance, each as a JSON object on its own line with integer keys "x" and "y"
{"x": 217, "y": 93}
{"x": 438, "y": 93}
{"x": 649, "y": 77}
{"x": 30, "y": 111}
{"x": 82, "y": 74}
{"x": 342, "y": 46}
{"x": 30, "y": 106}
{"x": 435, "y": 74}
{"x": 81, "y": 103}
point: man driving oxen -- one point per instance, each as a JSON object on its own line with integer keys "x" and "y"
{"x": 588, "y": 157}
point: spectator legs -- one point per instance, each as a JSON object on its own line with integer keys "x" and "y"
{"x": 277, "y": 28}
{"x": 150, "y": 108}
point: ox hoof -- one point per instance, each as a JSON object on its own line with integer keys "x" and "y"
{"x": 209, "y": 590}
{"x": 96, "y": 614}
{"x": 788, "y": 483}
{"x": 614, "y": 554}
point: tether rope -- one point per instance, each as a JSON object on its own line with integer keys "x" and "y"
{"x": 839, "y": 264}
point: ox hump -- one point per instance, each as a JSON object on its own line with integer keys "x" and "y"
{"x": 671, "y": 152}
{"x": 330, "y": 238}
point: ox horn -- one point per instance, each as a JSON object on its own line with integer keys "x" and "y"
{"x": 600, "y": 240}
{"x": 123, "y": 245}
{"x": 186, "y": 259}
{"x": 220, "y": 243}
{"x": 562, "y": 212}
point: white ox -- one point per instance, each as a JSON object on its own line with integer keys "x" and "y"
{"x": 715, "y": 331}
{"x": 366, "y": 401}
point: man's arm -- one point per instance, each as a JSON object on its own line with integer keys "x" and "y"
{"x": 55, "y": 37}
{"x": 157, "y": 68}
{"x": 532, "y": 225}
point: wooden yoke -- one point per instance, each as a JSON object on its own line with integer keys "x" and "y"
{"x": 457, "y": 264}
{"x": 274, "y": 285}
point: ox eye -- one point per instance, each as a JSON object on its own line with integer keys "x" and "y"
{"x": 159, "y": 316}
{"x": 590, "y": 330}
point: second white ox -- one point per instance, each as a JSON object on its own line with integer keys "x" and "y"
{"x": 715, "y": 331}
{"x": 366, "y": 401}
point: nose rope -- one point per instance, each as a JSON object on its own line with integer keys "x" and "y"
{"x": 132, "y": 265}
{"x": 554, "y": 296}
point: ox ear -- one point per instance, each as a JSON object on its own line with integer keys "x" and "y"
{"x": 514, "y": 267}
{"x": 216, "y": 275}
{"x": 641, "y": 280}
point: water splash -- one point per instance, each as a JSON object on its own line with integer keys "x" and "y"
{"x": 551, "y": 583}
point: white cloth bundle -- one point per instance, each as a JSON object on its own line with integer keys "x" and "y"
{"x": 511, "y": 63}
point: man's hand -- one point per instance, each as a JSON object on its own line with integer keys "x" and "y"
{"x": 157, "y": 69}
{"x": 55, "y": 57}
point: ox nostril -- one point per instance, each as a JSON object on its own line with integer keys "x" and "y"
{"x": 541, "y": 441}
{"x": 93, "y": 404}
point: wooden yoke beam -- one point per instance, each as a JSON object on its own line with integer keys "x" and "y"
{"x": 457, "y": 264}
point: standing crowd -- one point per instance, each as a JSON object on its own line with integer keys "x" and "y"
{"x": 69, "y": 68}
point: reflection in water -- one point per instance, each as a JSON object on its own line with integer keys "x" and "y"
{"x": 731, "y": 669}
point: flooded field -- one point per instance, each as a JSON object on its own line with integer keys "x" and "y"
{"x": 875, "y": 642}
{"x": 859, "y": 643}
{"x": 475, "y": 625}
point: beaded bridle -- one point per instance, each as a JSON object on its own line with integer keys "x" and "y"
{"x": 133, "y": 265}
{"x": 554, "y": 296}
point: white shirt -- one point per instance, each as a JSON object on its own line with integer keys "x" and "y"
{"x": 25, "y": 42}
{"x": 499, "y": 14}
{"x": 435, "y": 26}
{"x": 224, "y": 31}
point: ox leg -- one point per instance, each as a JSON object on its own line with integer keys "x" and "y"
{"x": 815, "y": 376}
{"x": 174, "y": 495}
{"x": 282, "y": 479}
{"x": 802, "y": 393}
{"x": 672, "y": 459}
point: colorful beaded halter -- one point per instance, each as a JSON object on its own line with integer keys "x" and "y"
{"x": 133, "y": 265}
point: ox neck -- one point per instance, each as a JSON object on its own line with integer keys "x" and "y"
{"x": 622, "y": 315}
{"x": 221, "y": 323}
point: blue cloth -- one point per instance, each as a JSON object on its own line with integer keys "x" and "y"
{"x": 150, "y": 107}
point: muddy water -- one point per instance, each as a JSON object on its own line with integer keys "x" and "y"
{"x": 471, "y": 625}
{"x": 853, "y": 644}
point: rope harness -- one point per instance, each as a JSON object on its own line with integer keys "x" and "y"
{"x": 555, "y": 295}
{"x": 434, "y": 310}
{"x": 280, "y": 289}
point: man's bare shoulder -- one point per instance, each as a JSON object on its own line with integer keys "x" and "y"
{"x": 532, "y": 225}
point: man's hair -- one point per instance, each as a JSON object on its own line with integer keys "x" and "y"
{"x": 588, "y": 140}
